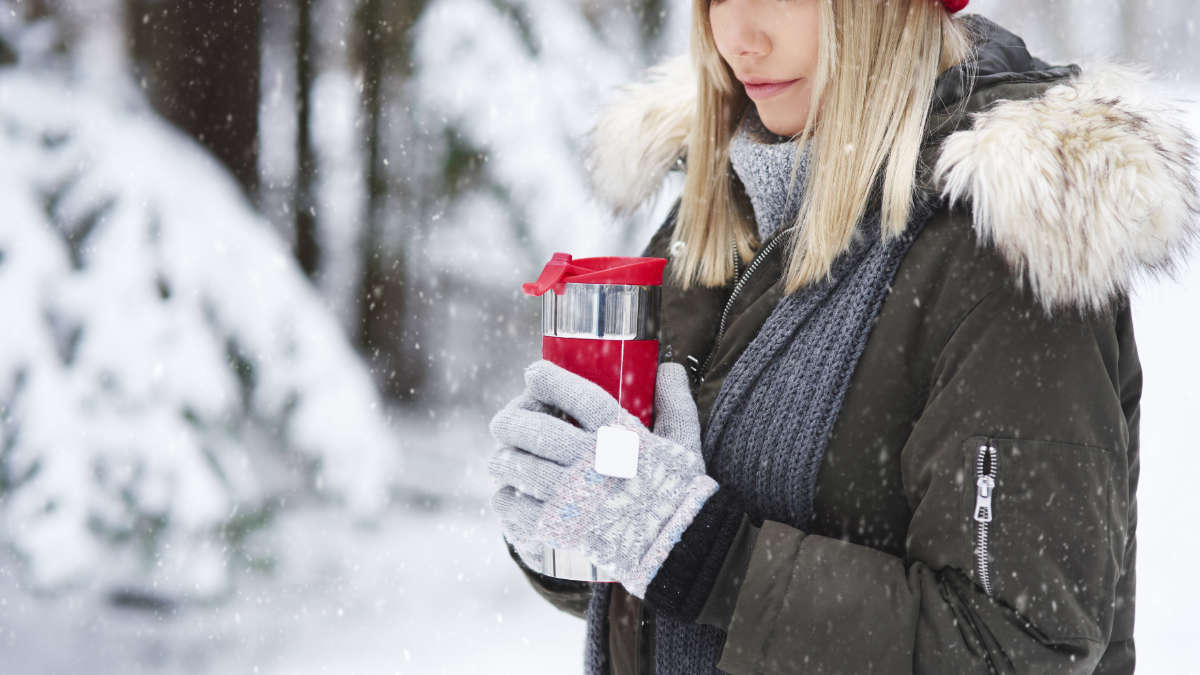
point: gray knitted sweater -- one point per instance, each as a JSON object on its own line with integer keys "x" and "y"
{"x": 771, "y": 420}
{"x": 763, "y": 161}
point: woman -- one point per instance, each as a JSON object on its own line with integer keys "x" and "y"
{"x": 897, "y": 419}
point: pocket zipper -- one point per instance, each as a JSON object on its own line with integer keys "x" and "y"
{"x": 985, "y": 485}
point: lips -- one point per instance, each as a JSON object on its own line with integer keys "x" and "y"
{"x": 760, "y": 89}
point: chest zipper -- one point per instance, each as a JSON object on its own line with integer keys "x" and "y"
{"x": 985, "y": 486}
{"x": 740, "y": 283}
{"x": 737, "y": 259}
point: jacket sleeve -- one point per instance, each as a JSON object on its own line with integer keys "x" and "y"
{"x": 1050, "y": 397}
{"x": 569, "y": 596}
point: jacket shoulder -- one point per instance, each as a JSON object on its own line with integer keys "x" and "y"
{"x": 659, "y": 245}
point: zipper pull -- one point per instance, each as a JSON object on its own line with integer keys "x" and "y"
{"x": 985, "y": 485}
{"x": 983, "y": 498}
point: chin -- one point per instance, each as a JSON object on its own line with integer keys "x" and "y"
{"x": 781, "y": 129}
{"x": 788, "y": 125}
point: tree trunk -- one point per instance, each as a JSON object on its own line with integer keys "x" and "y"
{"x": 389, "y": 320}
{"x": 308, "y": 251}
{"x": 652, "y": 14}
{"x": 199, "y": 61}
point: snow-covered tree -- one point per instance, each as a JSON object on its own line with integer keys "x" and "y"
{"x": 168, "y": 378}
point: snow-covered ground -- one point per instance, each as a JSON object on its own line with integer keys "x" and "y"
{"x": 424, "y": 592}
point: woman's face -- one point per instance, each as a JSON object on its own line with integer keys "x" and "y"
{"x": 771, "y": 44}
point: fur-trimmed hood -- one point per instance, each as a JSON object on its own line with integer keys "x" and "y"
{"x": 1082, "y": 188}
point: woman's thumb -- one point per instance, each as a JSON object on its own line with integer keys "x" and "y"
{"x": 675, "y": 414}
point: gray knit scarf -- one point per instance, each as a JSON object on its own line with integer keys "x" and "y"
{"x": 771, "y": 420}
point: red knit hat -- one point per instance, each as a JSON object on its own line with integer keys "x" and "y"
{"x": 954, "y": 5}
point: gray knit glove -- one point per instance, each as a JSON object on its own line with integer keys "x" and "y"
{"x": 550, "y": 493}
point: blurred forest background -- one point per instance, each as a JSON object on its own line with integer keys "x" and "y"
{"x": 259, "y": 286}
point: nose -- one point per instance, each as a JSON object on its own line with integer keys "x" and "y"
{"x": 740, "y": 24}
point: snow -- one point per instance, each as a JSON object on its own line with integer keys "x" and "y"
{"x": 420, "y": 585}
{"x": 164, "y": 363}
{"x": 420, "y": 592}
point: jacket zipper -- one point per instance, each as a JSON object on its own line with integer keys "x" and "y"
{"x": 737, "y": 259}
{"x": 739, "y": 284}
{"x": 985, "y": 486}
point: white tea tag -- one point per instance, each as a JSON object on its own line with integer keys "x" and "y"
{"x": 616, "y": 451}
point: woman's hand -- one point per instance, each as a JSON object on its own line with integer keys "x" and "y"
{"x": 551, "y": 493}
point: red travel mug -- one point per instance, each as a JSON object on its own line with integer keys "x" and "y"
{"x": 601, "y": 322}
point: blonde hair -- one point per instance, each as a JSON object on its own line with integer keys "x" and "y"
{"x": 874, "y": 85}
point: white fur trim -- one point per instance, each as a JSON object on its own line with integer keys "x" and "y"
{"x": 640, "y": 137}
{"x": 1081, "y": 189}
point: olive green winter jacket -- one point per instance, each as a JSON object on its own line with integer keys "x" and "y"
{"x": 1004, "y": 350}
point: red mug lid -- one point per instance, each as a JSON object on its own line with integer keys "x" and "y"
{"x": 602, "y": 270}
